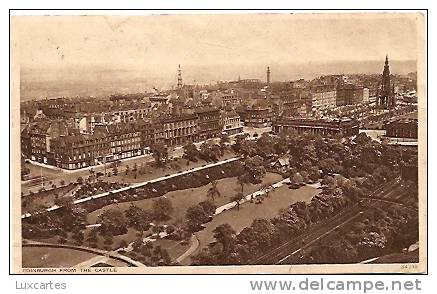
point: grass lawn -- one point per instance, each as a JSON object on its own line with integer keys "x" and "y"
{"x": 174, "y": 248}
{"x": 152, "y": 172}
{"x": 279, "y": 198}
{"x": 183, "y": 199}
{"x": 53, "y": 257}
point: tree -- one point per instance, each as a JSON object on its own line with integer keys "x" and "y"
{"x": 246, "y": 147}
{"x": 191, "y": 152}
{"x": 78, "y": 236}
{"x": 179, "y": 232}
{"x": 328, "y": 181}
{"x": 329, "y": 165}
{"x": 109, "y": 239}
{"x": 208, "y": 206}
{"x": 135, "y": 170}
{"x": 112, "y": 222}
{"x": 242, "y": 181}
{"x": 92, "y": 237}
{"x": 160, "y": 153}
{"x": 195, "y": 217}
{"x": 205, "y": 257}
{"x": 238, "y": 142}
{"x": 162, "y": 208}
{"x": 265, "y": 233}
{"x": 237, "y": 198}
{"x": 138, "y": 218}
{"x": 362, "y": 139}
{"x": 305, "y": 176}
{"x": 79, "y": 180}
{"x": 209, "y": 151}
{"x": 225, "y": 234}
{"x": 146, "y": 249}
{"x": 314, "y": 173}
{"x": 254, "y": 170}
{"x": 123, "y": 244}
{"x": 224, "y": 138}
{"x": 165, "y": 257}
{"x": 127, "y": 169}
{"x": 351, "y": 190}
{"x": 265, "y": 146}
{"x": 213, "y": 191}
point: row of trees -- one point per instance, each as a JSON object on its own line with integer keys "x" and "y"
{"x": 208, "y": 151}
{"x": 311, "y": 153}
{"x": 378, "y": 232}
{"x": 115, "y": 222}
{"x": 263, "y": 234}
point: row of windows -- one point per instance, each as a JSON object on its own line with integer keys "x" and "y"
{"x": 127, "y": 141}
{"x": 127, "y": 135}
{"x": 232, "y": 120}
{"x": 132, "y": 111}
{"x": 179, "y": 132}
{"x": 38, "y": 145}
{"x": 124, "y": 148}
{"x": 180, "y": 124}
{"x": 84, "y": 155}
{"x": 208, "y": 117}
{"x": 35, "y": 138}
{"x": 89, "y": 143}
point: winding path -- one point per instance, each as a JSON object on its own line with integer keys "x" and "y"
{"x": 194, "y": 245}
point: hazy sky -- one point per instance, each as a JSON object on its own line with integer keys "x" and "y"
{"x": 161, "y": 42}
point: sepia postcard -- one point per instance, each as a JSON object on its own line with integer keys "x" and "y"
{"x": 292, "y": 142}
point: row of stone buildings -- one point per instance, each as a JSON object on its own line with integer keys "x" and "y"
{"x": 330, "y": 96}
{"x": 63, "y": 144}
{"x": 323, "y": 127}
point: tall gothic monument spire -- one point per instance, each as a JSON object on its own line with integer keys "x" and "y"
{"x": 386, "y": 97}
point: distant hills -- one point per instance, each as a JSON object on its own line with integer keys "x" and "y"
{"x": 38, "y": 83}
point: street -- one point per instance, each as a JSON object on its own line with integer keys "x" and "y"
{"x": 53, "y": 175}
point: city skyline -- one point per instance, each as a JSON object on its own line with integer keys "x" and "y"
{"x": 36, "y": 84}
{"x": 90, "y": 55}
